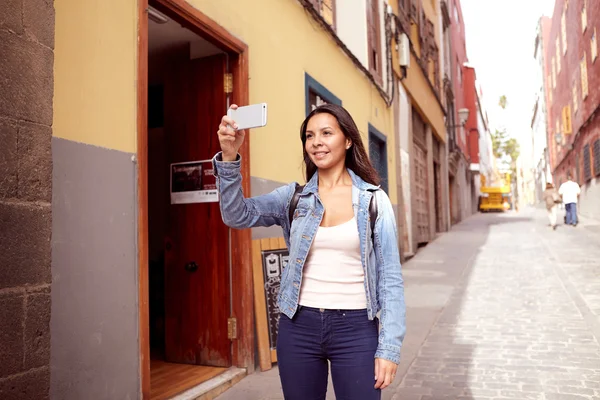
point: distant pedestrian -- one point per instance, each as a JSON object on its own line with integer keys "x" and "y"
{"x": 552, "y": 199}
{"x": 570, "y": 191}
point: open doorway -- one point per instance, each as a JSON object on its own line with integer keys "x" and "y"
{"x": 189, "y": 275}
{"x": 194, "y": 271}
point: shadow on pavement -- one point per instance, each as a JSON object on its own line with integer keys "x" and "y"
{"x": 439, "y": 347}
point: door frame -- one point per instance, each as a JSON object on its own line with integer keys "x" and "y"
{"x": 241, "y": 257}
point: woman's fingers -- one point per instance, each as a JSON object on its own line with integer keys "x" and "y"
{"x": 388, "y": 379}
{"x": 379, "y": 373}
{"x": 228, "y": 122}
{"x": 385, "y": 373}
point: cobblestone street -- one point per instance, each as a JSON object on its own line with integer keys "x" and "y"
{"x": 501, "y": 307}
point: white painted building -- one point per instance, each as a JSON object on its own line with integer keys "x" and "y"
{"x": 539, "y": 122}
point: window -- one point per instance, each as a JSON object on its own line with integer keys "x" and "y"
{"x": 374, "y": 39}
{"x": 378, "y": 155}
{"x": 575, "y": 99}
{"x": 584, "y": 77}
{"x": 597, "y": 157}
{"x": 587, "y": 163}
{"x": 566, "y": 118}
{"x": 594, "y": 46}
{"x": 316, "y": 94}
{"x": 327, "y": 10}
{"x": 563, "y": 29}
{"x": 583, "y": 17}
{"x": 557, "y": 57}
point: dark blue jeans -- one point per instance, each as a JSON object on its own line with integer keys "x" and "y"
{"x": 345, "y": 338}
{"x": 571, "y": 213}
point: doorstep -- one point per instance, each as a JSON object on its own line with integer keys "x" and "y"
{"x": 210, "y": 389}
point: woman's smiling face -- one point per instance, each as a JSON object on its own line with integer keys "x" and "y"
{"x": 326, "y": 144}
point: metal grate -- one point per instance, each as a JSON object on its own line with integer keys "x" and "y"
{"x": 597, "y": 157}
{"x": 587, "y": 165}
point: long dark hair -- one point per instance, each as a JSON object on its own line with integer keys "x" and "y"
{"x": 356, "y": 156}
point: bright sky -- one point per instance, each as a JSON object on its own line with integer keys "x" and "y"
{"x": 500, "y": 37}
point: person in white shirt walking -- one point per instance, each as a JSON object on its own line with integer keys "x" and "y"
{"x": 570, "y": 191}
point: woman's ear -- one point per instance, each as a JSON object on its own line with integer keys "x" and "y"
{"x": 348, "y": 144}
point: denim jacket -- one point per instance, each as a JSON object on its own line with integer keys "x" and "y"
{"x": 384, "y": 285}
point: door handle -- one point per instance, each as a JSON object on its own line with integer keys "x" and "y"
{"x": 191, "y": 266}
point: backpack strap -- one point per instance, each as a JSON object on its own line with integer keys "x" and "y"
{"x": 294, "y": 202}
{"x": 373, "y": 214}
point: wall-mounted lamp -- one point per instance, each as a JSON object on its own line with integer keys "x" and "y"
{"x": 463, "y": 116}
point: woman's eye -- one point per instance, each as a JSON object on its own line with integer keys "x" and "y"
{"x": 309, "y": 136}
{"x": 326, "y": 133}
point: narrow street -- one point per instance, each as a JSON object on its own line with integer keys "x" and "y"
{"x": 501, "y": 307}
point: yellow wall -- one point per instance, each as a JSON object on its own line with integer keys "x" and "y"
{"x": 95, "y": 72}
{"x": 424, "y": 99}
{"x": 280, "y": 52}
{"x": 416, "y": 82}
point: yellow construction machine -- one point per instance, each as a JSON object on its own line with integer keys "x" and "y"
{"x": 496, "y": 197}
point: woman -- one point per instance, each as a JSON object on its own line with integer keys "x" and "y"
{"x": 552, "y": 199}
{"x": 339, "y": 276}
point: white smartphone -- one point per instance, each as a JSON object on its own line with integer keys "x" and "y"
{"x": 252, "y": 116}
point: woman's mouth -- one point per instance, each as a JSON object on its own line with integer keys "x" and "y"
{"x": 320, "y": 154}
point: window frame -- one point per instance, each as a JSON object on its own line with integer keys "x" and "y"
{"x": 558, "y": 63}
{"x": 584, "y": 76}
{"x": 587, "y": 163}
{"x": 594, "y": 46}
{"x": 563, "y": 29}
{"x": 318, "y": 6}
{"x": 374, "y": 43}
{"x": 596, "y": 157}
{"x": 575, "y": 95}
{"x": 375, "y": 135}
{"x": 311, "y": 84}
{"x": 584, "y": 17}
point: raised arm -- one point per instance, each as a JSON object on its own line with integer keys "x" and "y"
{"x": 238, "y": 211}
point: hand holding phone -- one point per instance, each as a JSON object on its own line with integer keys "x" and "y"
{"x": 231, "y": 132}
{"x": 247, "y": 117}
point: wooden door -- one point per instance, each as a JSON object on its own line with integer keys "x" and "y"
{"x": 437, "y": 175}
{"x": 421, "y": 194}
{"x": 197, "y": 293}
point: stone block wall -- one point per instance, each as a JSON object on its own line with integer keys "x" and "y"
{"x": 26, "y": 90}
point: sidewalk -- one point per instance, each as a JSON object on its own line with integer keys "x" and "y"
{"x": 500, "y": 307}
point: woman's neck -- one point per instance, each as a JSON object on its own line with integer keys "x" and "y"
{"x": 332, "y": 177}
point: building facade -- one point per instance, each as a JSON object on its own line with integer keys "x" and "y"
{"x": 574, "y": 73}
{"x": 420, "y": 116}
{"x": 539, "y": 121}
{"x": 478, "y": 137}
{"x": 455, "y": 57}
{"x": 109, "y": 278}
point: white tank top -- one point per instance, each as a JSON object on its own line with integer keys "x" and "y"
{"x": 333, "y": 275}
